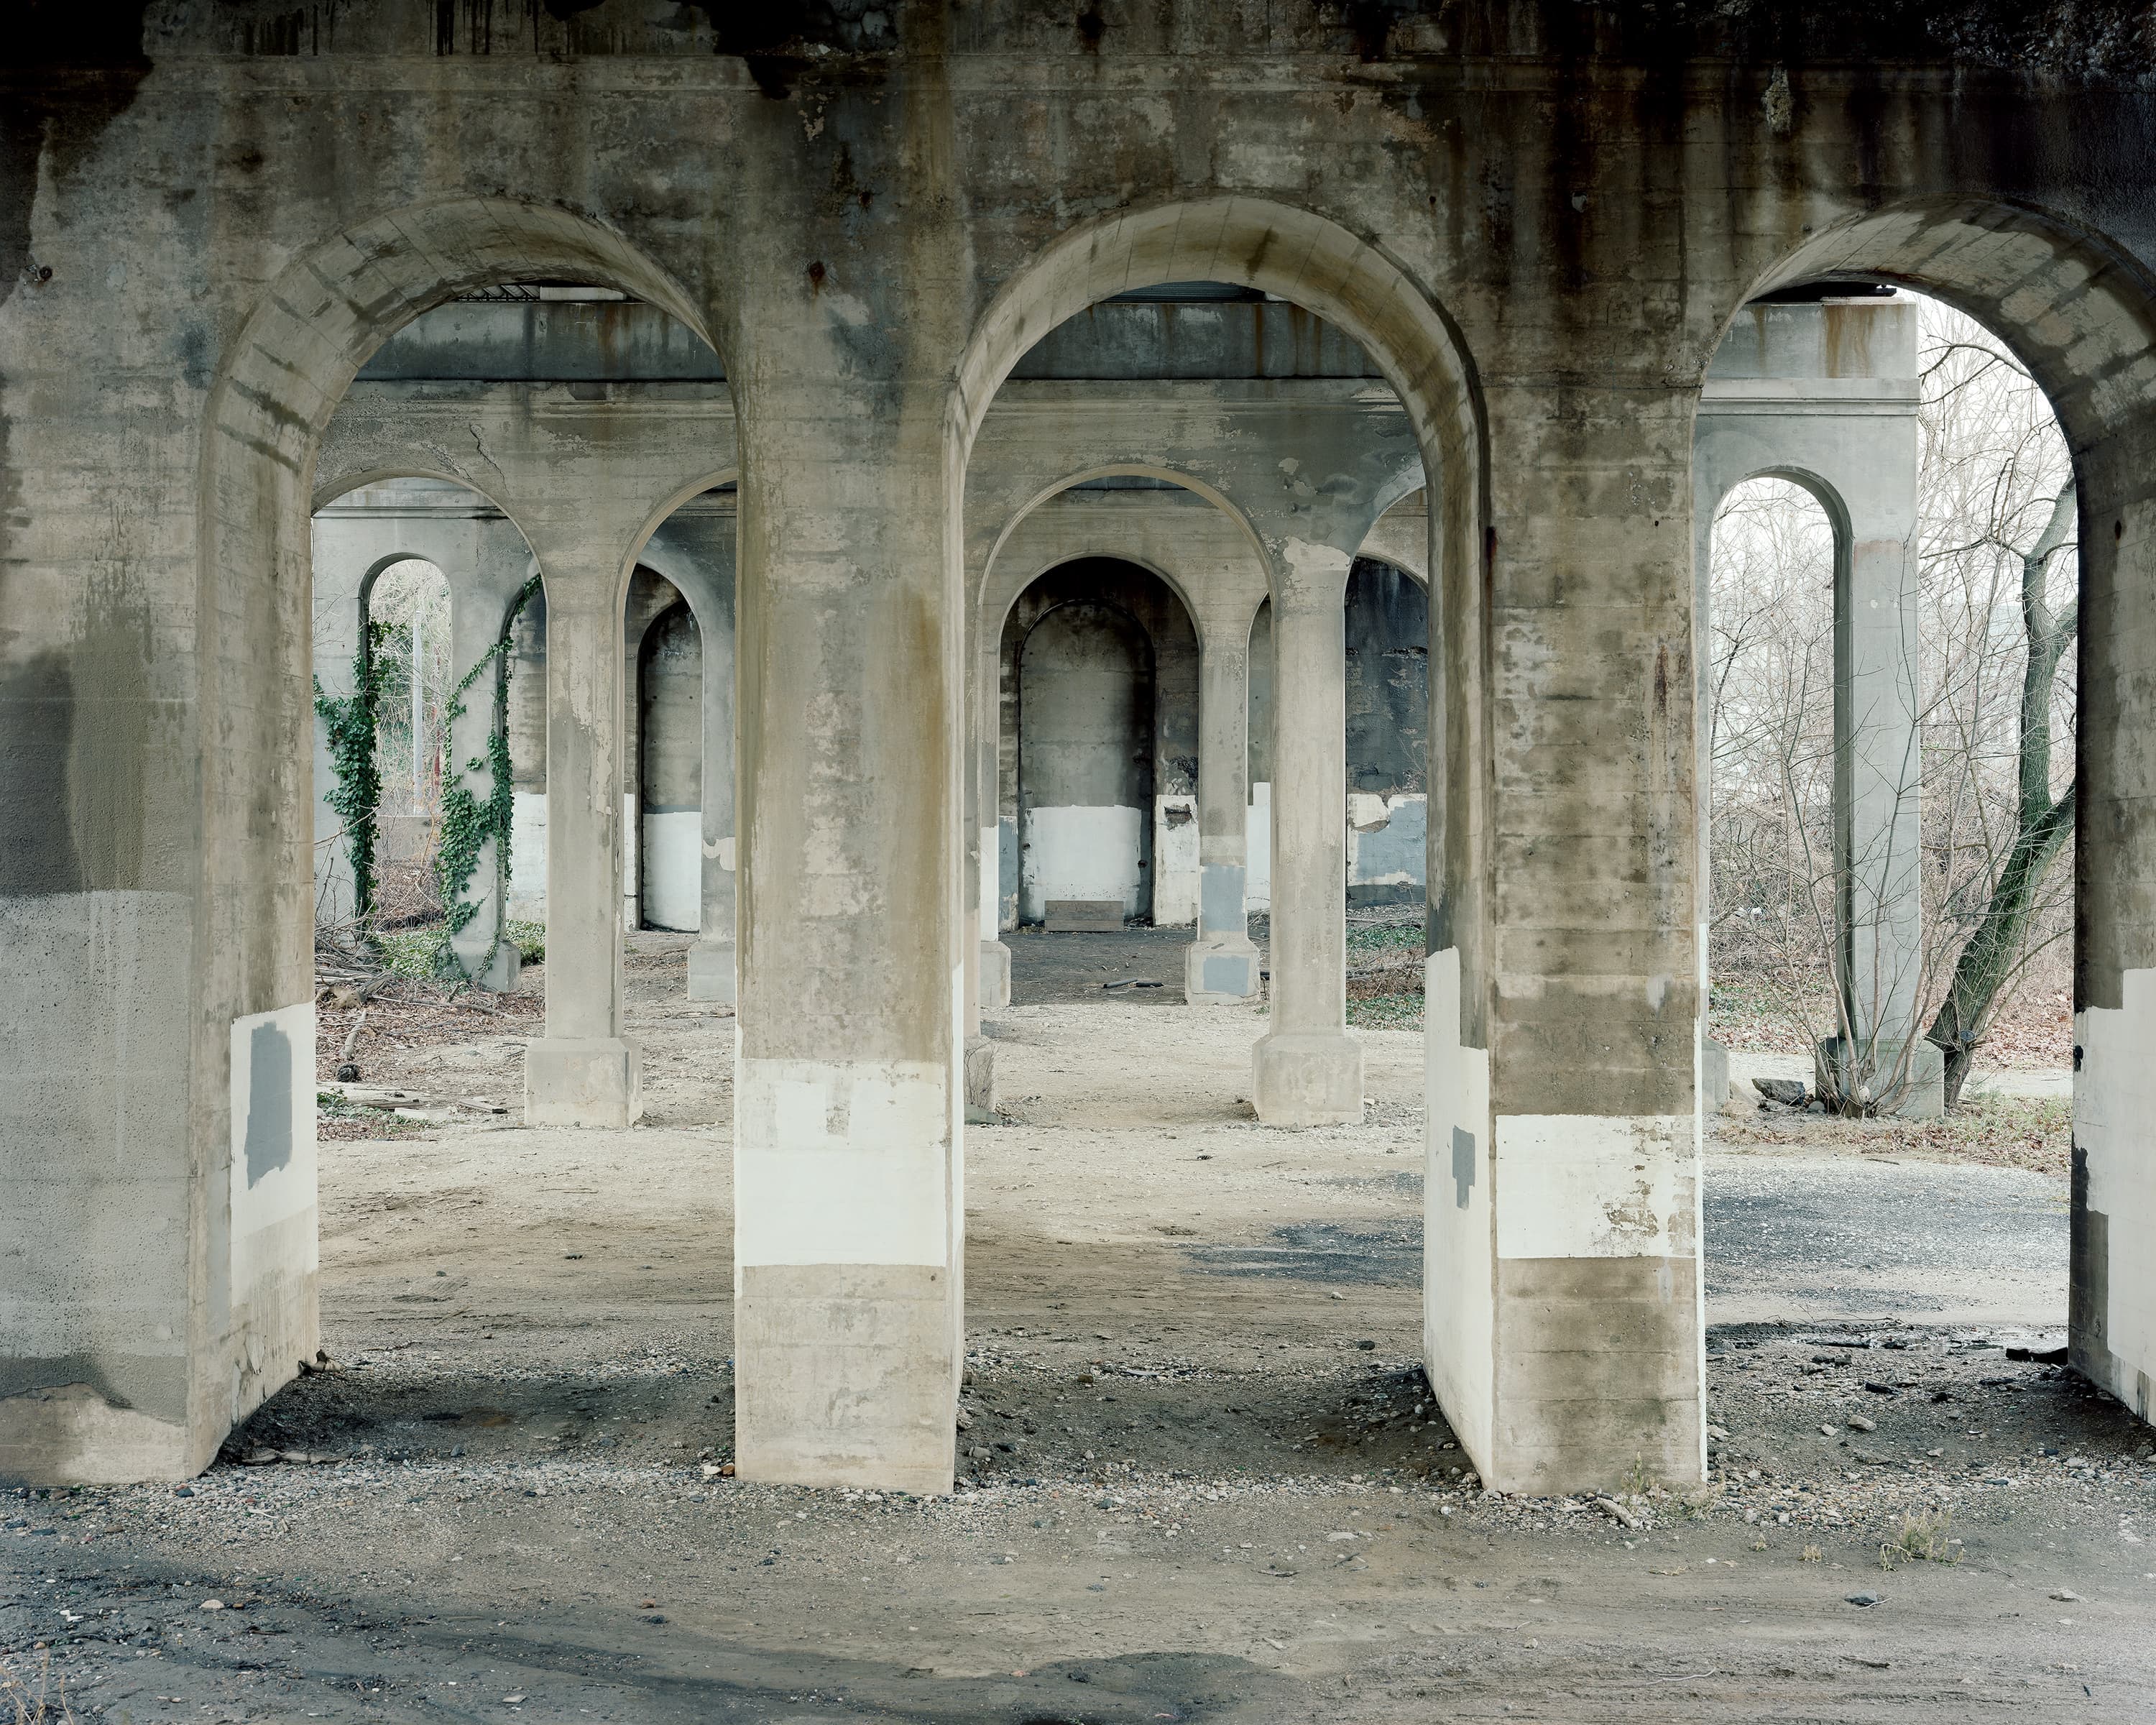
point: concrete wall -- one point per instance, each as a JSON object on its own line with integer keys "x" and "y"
{"x": 1084, "y": 760}
{"x": 1098, "y": 741}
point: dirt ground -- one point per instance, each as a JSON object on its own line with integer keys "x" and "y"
{"x": 1202, "y": 1478}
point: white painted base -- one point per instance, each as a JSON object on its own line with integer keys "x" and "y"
{"x": 2111, "y": 1302}
{"x": 1175, "y": 871}
{"x": 674, "y": 869}
{"x": 1258, "y": 850}
{"x": 1459, "y": 1263}
{"x": 571, "y": 1081}
{"x": 1082, "y": 853}
{"x": 849, "y": 1235}
{"x": 1307, "y": 1078}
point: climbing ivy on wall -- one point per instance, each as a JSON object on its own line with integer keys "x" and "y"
{"x": 350, "y": 721}
{"x": 467, "y": 822}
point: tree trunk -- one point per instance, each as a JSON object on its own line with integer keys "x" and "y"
{"x": 1990, "y": 958}
{"x": 1993, "y": 952}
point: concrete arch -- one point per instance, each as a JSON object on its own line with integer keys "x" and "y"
{"x": 2080, "y": 313}
{"x": 1356, "y": 285}
{"x": 1822, "y": 491}
{"x": 2075, "y": 308}
{"x": 1277, "y": 248}
{"x": 1183, "y": 480}
{"x": 1036, "y": 568}
{"x": 279, "y": 380}
{"x": 692, "y": 585}
{"x": 1157, "y": 879}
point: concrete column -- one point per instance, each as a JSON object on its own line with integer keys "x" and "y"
{"x": 982, "y": 971}
{"x": 1308, "y": 1070}
{"x": 581, "y": 1072}
{"x": 480, "y": 601}
{"x": 1561, "y": 1271}
{"x": 1877, "y": 789}
{"x": 849, "y": 1190}
{"x": 1221, "y": 964}
{"x": 712, "y": 959}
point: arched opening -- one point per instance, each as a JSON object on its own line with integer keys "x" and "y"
{"x": 1085, "y": 766}
{"x": 225, "y": 1145}
{"x": 2026, "y": 705}
{"x": 1368, "y": 405}
{"x": 1387, "y": 633}
{"x": 1887, "y": 719}
{"x": 420, "y": 583}
{"x": 1098, "y": 669}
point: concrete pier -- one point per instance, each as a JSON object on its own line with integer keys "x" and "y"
{"x": 1307, "y": 1068}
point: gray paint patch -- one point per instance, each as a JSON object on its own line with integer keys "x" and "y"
{"x": 1221, "y": 897}
{"x": 1397, "y": 848}
{"x": 1226, "y": 973}
{"x": 2088, "y": 1259}
{"x": 1007, "y": 871}
{"x": 1463, "y": 1166}
{"x": 269, "y": 1102}
{"x": 37, "y": 840}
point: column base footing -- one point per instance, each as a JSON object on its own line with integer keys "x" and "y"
{"x": 846, "y": 1375}
{"x": 500, "y": 974}
{"x": 1221, "y": 970}
{"x": 1924, "y": 1093}
{"x": 571, "y": 1080}
{"x": 1307, "y": 1078}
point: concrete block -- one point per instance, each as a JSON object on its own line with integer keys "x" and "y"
{"x": 995, "y": 976}
{"x": 501, "y": 970}
{"x": 1083, "y": 916}
{"x": 574, "y": 1081}
{"x": 1307, "y": 1078}
{"x": 711, "y": 975}
{"x": 1715, "y": 1095}
{"x": 1924, "y": 1095}
{"x": 1220, "y": 972}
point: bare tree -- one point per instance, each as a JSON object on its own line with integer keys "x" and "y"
{"x": 1997, "y": 572}
{"x": 1999, "y": 945}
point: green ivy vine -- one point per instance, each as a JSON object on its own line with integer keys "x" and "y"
{"x": 467, "y": 822}
{"x": 350, "y": 720}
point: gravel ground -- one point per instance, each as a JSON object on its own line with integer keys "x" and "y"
{"x": 1202, "y": 1477}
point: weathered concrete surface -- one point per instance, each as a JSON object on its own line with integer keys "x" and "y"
{"x": 1535, "y": 221}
